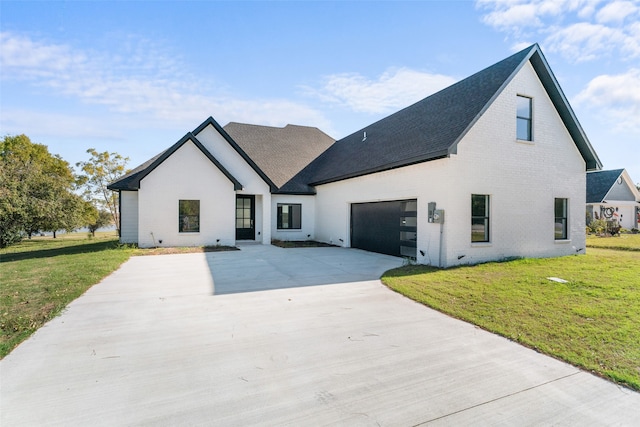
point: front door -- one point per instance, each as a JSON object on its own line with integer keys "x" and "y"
{"x": 245, "y": 217}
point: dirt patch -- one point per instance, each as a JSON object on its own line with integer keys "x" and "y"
{"x": 184, "y": 250}
{"x": 300, "y": 244}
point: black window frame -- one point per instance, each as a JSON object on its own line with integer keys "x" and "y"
{"x": 524, "y": 120}
{"x": 561, "y": 218}
{"x": 293, "y": 209}
{"x": 188, "y": 222}
{"x": 485, "y": 218}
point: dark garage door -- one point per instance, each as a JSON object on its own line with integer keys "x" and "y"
{"x": 385, "y": 227}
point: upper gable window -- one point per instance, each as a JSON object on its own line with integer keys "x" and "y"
{"x": 523, "y": 130}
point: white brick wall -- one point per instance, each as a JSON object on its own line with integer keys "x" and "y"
{"x": 186, "y": 175}
{"x": 251, "y": 182}
{"x": 522, "y": 179}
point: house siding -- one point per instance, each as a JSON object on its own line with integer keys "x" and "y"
{"x": 129, "y": 216}
{"x": 625, "y": 212}
{"x": 620, "y": 191}
{"x": 186, "y": 175}
{"x": 522, "y": 179}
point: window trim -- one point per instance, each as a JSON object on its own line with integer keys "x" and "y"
{"x": 182, "y": 217}
{"x": 529, "y": 119}
{"x": 564, "y": 220}
{"x": 291, "y": 221}
{"x": 486, "y": 219}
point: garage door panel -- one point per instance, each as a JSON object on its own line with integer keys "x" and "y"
{"x": 384, "y": 227}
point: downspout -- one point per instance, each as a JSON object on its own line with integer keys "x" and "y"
{"x": 440, "y": 247}
{"x": 119, "y": 214}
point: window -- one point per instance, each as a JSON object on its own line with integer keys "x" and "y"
{"x": 479, "y": 218}
{"x": 289, "y": 216}
{"x": 189, "y": 216}
{"x": 523, "y": 130}
{"x": 561, "y": 219}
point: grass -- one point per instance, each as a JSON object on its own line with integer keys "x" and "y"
{"x": 41, "y": 276}
{"x": 623, "y": 242}
{"x": 591, "y": 322}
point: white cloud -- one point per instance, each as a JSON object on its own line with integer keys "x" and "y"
{"x": 395, "y": 88}
{"x": 580, "y": 30}
{"x": 24, "y": 58}
{"x": 616, "y": 12}
{"x": 618, "y": 96}
{"x": 140, "y": 82}
{"x": 513, "y": 17}
{"x": 585, "y": 42}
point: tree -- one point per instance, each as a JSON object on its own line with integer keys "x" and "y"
{"x": 102, "y": 219}
{"x": 98, "y": 172}
{"x": 78, "y": 211}
{"x": 36, "y": 190}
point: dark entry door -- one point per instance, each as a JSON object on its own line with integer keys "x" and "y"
{"x": 385, "y": 227}
{"x": 245, "y": 217}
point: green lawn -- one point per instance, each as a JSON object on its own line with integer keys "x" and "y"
{"x": 41, "y": 276}
{"x": 624, "y": 242}
{"x": 593, "y": 321}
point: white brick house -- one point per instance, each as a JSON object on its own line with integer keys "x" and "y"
{"x": 492, "y": 167}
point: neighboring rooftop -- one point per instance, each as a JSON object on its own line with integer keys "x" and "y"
{"x": 599, "y": 183}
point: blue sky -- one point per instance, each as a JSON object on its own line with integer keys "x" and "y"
{"x": 134, "y": 76}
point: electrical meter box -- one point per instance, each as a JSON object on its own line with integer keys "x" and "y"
{"x": 438, "y": 216}
{"x": 431, "y": 210}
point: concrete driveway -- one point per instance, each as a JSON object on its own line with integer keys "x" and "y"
{"x": 271, "y": 336}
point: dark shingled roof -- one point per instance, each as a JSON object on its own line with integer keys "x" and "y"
{"x": 279, "y": 152}
{"x": 131, "y": 181}
{"x": 427, "y": 130}
{"x": 431, "y": 129}
{"x": 599, "y": 183}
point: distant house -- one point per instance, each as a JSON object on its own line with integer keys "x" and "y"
{"x": 612, "y": 196}
{"x": 489, "y": 168}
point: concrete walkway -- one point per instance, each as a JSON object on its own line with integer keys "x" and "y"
{"x": 283, "y": 337}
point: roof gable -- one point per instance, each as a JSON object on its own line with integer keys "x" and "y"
{"x": 431, "y": 128}
{"x": 560, "y": 102}
{"x": 131, "y": 181}
{"x": 211, "y": 122}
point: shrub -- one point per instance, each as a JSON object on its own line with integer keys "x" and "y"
{"x": 598, "y": 226}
